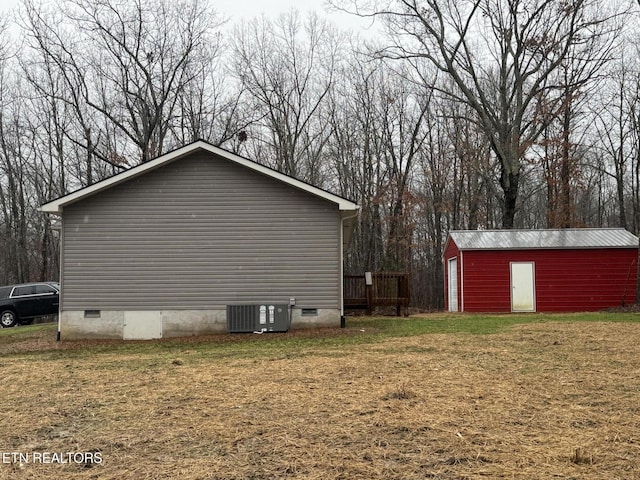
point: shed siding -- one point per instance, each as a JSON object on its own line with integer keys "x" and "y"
{"x": 565, "y": 280}
{"x": 198, "y": 233}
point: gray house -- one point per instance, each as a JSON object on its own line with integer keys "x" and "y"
{"x": 178, "y": 245}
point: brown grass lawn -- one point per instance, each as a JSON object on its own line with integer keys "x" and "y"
{"x": 535, "y": 401}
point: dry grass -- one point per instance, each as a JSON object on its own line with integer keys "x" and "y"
{"x": 538, "y": 401}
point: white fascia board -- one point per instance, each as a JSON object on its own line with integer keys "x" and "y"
{"x": 56, "y": 206}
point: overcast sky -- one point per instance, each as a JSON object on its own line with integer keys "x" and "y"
{"x": 247, "y": 9}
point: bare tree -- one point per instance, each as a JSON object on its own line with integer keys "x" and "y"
{"x": 27, "y": 251}
{"x": 12, "y": 194}
{"x": 615, "y": 122}
{"x": 503, "y": 56}
{"x": 288, "y": 67}
{"x": 128, "y": 62}
{"x": 212, "y": 108}
{"x": 403, "y": 108}
{"x": 54, "y": 70}
{"x": 354, "y": 154}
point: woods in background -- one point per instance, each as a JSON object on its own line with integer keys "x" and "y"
{"x": 463, "y": 115}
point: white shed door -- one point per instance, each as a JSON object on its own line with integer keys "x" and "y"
{"x": 142, "y": 325}
{"x": 523, "y": 287}
{"x": 453, "y": 284}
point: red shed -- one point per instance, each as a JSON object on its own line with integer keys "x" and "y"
{"x": 566, "y": 270}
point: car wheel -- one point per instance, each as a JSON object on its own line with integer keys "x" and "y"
{"x": 8, "y": 319}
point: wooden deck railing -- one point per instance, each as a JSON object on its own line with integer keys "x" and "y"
{"x": 385, "y": 290}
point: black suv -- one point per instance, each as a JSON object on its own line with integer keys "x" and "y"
{"x": 22, "y": 303}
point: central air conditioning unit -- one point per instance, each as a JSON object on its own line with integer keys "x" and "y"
{"x": 262, "y": 318}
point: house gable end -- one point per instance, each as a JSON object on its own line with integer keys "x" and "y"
{"x": 199, "y": 233}
{"x": 56, "y": 206}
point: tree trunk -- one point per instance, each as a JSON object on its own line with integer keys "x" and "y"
{"x": 565, "y": 170}
{"x": 509, "y": 181}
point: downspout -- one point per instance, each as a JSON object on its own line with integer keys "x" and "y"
{"x": 60, "y": 247}
{"x": 342, "y": 219}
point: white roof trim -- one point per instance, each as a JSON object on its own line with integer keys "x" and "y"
{"x": 56, "y": 206}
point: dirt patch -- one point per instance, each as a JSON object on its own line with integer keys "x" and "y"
{"x": 634, "y": 308}
{"x": 45, "y": 340}
{"x": 552, "y": 400}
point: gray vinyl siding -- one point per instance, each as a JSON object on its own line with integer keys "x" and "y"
{"x": 198, "y": 233}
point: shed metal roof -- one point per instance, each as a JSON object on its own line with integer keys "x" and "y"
{"x": 577, "y": 238}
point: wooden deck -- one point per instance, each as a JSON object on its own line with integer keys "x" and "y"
{"x": 384, "y": 290}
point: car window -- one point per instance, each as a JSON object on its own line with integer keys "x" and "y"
{"x": 5, "y": 291}
{"x": 45, "y": 289}
{"x": 25, "y": 290}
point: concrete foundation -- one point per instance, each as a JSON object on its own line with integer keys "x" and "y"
{"x": 144, "y": 325}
